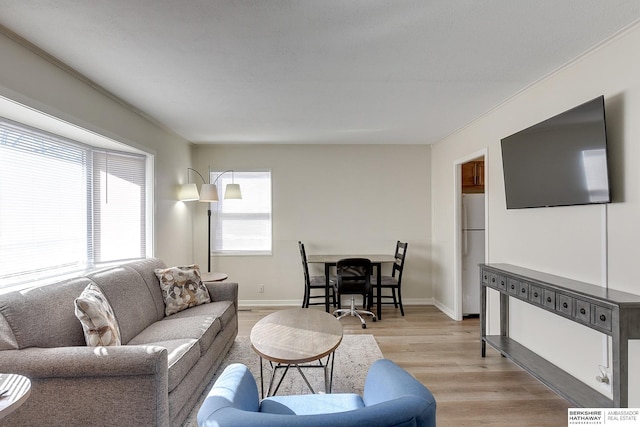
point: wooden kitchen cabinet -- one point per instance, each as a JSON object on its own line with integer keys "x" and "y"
{"x": 473, "y": 177}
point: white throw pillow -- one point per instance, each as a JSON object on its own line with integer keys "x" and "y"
{"x": 98, "y": 320}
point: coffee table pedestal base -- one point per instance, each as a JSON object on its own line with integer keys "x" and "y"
{"x": 274, "y": 384}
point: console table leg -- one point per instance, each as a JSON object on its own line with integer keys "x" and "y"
{"x": 620, "y": 372}
{"x": 504, "y": 315}
{"x": 483, "y": 317}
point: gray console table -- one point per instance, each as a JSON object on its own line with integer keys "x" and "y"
{"x": 611, "y": 312}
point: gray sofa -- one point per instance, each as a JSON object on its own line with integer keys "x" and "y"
{"x": 153, "y": 380}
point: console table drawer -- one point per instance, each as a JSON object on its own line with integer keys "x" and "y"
{"x": 513, "y": 285}
{"x": 564, "y": 304}
{"x": 485, "y": 277}
{"x": 523, "y": 290}
{"x": 583, "y": 311}
{"x": 601, "y": 317}
{"x": 493, "y": 280}
{"x": 549, "y": 299}
{"x": 535, "y": 294}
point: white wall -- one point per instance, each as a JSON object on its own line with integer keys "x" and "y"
{"x": 567, "y": 241}
{"x": 335, "y": 198}
{"x": 34, "y": 82}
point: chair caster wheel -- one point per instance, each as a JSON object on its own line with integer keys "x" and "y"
{"x": 364, "y": 326}
{"x": 374, "y": 319}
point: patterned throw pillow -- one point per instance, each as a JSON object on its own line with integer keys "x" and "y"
{"x": 182, "y": 288}
{"x": 96, "y": 315}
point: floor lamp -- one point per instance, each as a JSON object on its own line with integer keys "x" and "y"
{"x": 208, "y": 193}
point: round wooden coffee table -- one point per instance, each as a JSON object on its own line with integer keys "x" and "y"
{"x": 293, "y": 338}
{"x": 15, "y": 390}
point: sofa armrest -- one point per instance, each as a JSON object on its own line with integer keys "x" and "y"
{"x": 223, "y": 291}
{"x": 85, "y": 361}
{"x": 80, "y": 386}
{"x": 235, "y": 388}
{"x": 387, "y": 381}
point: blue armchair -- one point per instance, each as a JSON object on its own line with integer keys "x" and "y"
{"x": 392, "y": 397}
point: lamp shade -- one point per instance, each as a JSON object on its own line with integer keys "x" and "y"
{"x": 209, "y": 193}
{"x": 232, "y": 192}
{"x": 188, "y": 192}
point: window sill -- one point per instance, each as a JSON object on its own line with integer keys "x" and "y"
{"x": 242, "y": 253}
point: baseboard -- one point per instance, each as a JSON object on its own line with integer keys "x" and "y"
{"x": 443, "y": 308}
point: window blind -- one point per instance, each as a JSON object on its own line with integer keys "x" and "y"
{"x": 119, "y": 206}
{"x": 65, "y": 206}
{"x": 242, "y": 225}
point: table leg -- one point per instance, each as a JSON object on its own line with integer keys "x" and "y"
{"x": 329, "y": 385}
{"x": 379, "y": 287}
{"x": 274, "y": 382}
{"x": 261, "y": 379}
{"x": 271, "y": 391}
{"x": 326, "y": 286}
{"x": 327, "y": 381}
{"x": 304, "y": 377}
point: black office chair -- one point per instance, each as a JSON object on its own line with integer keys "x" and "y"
{"x": 394, "y": 282}
{"x": 313, "y": 283}
{"x": 353, "y": 277}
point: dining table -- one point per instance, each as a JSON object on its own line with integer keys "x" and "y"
{"x": 330, "y": 260}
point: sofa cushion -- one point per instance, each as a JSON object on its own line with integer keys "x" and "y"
{"x": 96, "y": 315}
{"x": 129, "y": 297}
{"x": 182, "y": 288}
{"x": 224, "y": 310}
{"x": 145, "y": 268}
{"x": 201, "y": 328}
{"x": 7, "y": 339}
{"x": 42, "y": 316}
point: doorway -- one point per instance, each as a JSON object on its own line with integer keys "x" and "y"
{"x": 470, "y": 194}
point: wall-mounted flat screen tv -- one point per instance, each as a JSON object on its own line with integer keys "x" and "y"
{"x": 559, "y": 162}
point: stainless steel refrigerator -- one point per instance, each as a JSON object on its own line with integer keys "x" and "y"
{"x": 472, "y": 251}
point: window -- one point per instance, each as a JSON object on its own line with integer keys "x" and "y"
{"x": 66, "y": 207}
{"x": 242, "y": 226}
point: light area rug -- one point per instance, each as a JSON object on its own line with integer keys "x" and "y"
{"x": 353, "y": 357}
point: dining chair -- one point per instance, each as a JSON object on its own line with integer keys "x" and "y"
{"x": 313, "y": 283}
{"x": 353, "y": 277}
{"x": 394, "y": 282}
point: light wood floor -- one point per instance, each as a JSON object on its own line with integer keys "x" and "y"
{"x": 445, "y": 356}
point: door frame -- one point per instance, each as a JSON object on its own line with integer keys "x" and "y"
{"x": 457, "y": 231}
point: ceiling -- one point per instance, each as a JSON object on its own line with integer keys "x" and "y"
{"x": 311, "y": 71}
